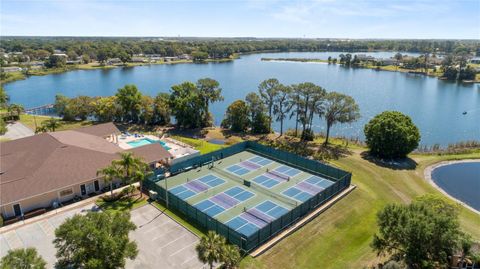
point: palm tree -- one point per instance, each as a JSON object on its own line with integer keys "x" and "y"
{"x": 51, "y": 124}
{"x": 141, "y": 175}
{"x": 132, "y": 169}
{"x": 128, "y": 164}
{"x": 23, "y": 258}
{"x": 109, "y": 174}
{"x": 16, "y": 108}
{"x": 209, "y": 249}
{"x": 230, "y": 256}
{"x": 41, "y": 129}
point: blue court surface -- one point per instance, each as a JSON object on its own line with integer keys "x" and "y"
{"x": 256, "y": 218}
{"x": 249, "y": 165}
{"x": 306, "y": 189}
{"x": 266, "y": 181}
{"x": 287, "y": 171}
{"x": 223, "y": 201}
{"x": 196, "y": 186}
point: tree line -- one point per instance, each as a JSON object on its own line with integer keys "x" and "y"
{"x": 100, "y": 49}
{"x": 301, "y": 102}
{"x": 188, "y": 102}
{"x": 454, "y": 66}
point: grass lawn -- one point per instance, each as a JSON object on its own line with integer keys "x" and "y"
{"x": 341, "y": 236}
{"x": 29, "y": 121}
{"x": 198, "y": 144}
{"x": 123, "y": 204}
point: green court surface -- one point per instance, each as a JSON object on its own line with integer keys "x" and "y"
{"x": 245, "y": 191}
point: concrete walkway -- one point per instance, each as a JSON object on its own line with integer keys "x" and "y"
{"x": 17, "y": 130}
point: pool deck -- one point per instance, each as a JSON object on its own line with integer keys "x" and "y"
{"x": 176, "y": 148}
{"x": 428, "y": 176}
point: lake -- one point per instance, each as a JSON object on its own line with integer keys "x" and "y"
{"x": 435, "y": 106}
{"x": 460, "y": 180}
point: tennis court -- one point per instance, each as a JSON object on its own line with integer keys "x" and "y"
{"x": 245, "y": 195}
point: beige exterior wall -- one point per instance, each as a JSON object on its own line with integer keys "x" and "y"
{"x": 45, "y": 200}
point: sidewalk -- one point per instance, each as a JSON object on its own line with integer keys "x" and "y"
{"x": 59, "y": 210}
{"x": 17, "y": 130}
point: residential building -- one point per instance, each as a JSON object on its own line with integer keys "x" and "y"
{"x": 45, "y": 170}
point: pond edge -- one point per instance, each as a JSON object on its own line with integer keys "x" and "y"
{"x": 428, "y": 176}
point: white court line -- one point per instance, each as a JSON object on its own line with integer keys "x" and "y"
{"x": 171, "y": 242}
{"x": 178, "y": 251}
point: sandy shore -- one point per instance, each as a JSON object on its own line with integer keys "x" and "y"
{"x": 428, "y": 176}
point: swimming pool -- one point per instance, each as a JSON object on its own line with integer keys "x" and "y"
{"x": 147, "y": 141}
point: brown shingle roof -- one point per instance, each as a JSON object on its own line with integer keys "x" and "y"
{"x": 151, "y": 153}
{"x": 102, "y": 130}
{"x": 51, "y": 161}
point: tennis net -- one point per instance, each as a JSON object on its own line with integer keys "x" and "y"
{"x": 278, "y": 175}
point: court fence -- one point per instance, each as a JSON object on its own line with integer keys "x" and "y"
{"x": 341, "y": 180}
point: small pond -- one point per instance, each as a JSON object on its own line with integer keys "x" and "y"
{"x": 460, "y": 180}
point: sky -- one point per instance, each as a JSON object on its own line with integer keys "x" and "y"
{"x": 419, "y": 19}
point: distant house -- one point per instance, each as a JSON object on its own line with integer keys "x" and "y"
{"x": 364, "y": 57}
{"x": 433, "y": 61}
{"x": 60, "y": 55}
{"x": 138, "y": 60}
{"x": 168, "y": 59}
{"x": 10, "y": 69}
{"x": 153, "y": 55}
{"x": 475, "y": 60}
{"x": 36, "y": 63}
{"x": 185, "y": 57}
{"x": 112, "y": 61}
{"x": 74, "y": 62}
{"x": 44, "y": 170}
{"x": 387, "y": 61}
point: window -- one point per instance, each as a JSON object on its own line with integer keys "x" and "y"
{"x": 17, "y": 209}
{"x": 66, "y": 192}
{"x": 97, "y": 186}
{"x": 83, "y": 190}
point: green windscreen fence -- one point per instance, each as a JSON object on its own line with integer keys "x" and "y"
{"x": 341, "y": 181}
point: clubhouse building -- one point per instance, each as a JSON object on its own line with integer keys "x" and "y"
{"x": 48, "y": 169}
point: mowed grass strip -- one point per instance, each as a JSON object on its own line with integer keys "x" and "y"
{"x": 126, "y": 203}
{"x": 34, "y": 121}
{"x": 201, "y": 145}
{"x": 341, "y": 236}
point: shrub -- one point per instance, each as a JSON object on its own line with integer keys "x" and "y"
{"x": 308, "y": 135}
{"x": 3, "y": 127}
{"x": 391, "y": 134}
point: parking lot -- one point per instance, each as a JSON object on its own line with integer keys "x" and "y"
{"x": 162, "y": 242}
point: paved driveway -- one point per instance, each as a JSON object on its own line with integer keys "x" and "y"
{"x": 162, "y": 242}
{"x": 17, "y": 130}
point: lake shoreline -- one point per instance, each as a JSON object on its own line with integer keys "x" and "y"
{"x": 389, "y": 68}
{"x": 20, "y": 75}
{"x": 428, "y": 177}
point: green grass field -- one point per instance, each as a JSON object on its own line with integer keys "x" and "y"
{"x": 201, "y": 145}
{"x": 31, "y": 121}
{"x": 123, "y": 204}
{"x": 341, "y": 236}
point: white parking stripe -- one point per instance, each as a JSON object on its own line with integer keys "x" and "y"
{"x": 178, "y": 251}
{"x": 171, "y": 242}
